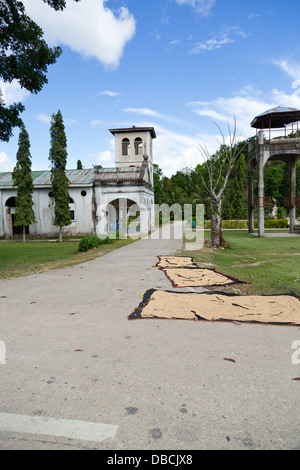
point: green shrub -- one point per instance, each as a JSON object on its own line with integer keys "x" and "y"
{"x": 281, "y": 212}
{"x": 233, "y": 224}
{"x": 243, "y": 224}
{"x": 93, "y": 241}
{"x": 106, "y": 241}
{"x": 276, "y": 223}
{"x": 89, "y": 242}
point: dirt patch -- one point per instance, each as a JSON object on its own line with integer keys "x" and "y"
{"x": 257, "y": 263}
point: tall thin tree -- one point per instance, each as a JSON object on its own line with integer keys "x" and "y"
{"x": 79, "y": 165}
{"x": 59, "y": 180}
{"x": 218, "y": 168}
{"x": 22, "y": 180}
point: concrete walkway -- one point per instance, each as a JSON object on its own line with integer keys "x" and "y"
{"x": 274, "y": 234}
{"x": 79, "y": 375}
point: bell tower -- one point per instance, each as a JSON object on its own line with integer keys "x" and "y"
{"x": 131, "y": 145}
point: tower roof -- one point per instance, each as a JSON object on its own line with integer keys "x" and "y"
{"x": 276, "y": 117}
{"x": 134, "y": 129}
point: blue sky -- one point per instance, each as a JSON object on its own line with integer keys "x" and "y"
{"x": 181, "y": 66}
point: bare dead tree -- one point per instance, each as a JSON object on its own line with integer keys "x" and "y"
{"x": 218, "y": 170}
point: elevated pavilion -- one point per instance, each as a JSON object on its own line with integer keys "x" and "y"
{"x": 278, "y": 138}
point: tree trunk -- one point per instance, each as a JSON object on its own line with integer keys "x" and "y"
{"x": 60, "y": 234}
{"x": 216, "y": 231}
{"x": 217, "y": 239}
{"x": 24, "y": 233}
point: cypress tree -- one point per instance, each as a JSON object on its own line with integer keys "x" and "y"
{"x": 59, "y": 180}
{"x": 22, "y": 180}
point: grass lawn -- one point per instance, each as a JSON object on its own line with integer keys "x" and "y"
{"x": 19, "y": 259}
{"x": 270, "y": 265}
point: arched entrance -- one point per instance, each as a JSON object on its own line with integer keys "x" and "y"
{"x": 10, "y": 207}
{"x": 123, "y": 215}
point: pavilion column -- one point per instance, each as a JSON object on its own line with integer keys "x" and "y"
{"x": 293, "y": 166}
{"x": 250, "y": 198}
{"x": 260, "y": 170}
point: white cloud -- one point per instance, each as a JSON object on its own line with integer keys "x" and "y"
{"x": 218, "y": 40}
{"x": 210, "y": 45}
{"x": 143, "y": 112}
{"x": 108, "y": 93}
{"x": 88, "y": 27}
{"x": 44, "y": 118}
{"x": 105, "y": 158}
{"x": 291, "y": 69}
{"x": 70, "y": 122}
{"x": 5, "y": 163}
{"x": 174, "y": 151}
{"x": 156, "y": 35}
{"x": 201, "y": 6}
{"x": 174, "y": 43}
{"x": 96, "y": 123}
{"x": 151, "y": 113}
{"x": 296, "y": 84}
{"x": 253, "y": 15}
{"x": 245, "y": 105}
{"x": 12, "y": 92}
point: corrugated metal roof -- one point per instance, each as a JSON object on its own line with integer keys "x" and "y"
{"x": 278, "y": 109}
{"x": 276, "y": 117}
{"x": 79, "y": 177}
{"x": 6, "y": 178}
{"x": 85, "y": 176}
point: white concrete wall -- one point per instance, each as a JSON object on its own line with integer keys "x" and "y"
{"x": 83, "y": 206}
{"x": 44, "y": 213}
{"x": 83, "y": 223}
{"x": 140, "y": 195}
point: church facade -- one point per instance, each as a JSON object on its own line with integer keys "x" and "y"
{"x": 101, "y": 199}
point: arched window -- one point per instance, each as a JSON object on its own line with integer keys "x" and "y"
{"x": 125, "y": 146}
{"x": 72, "y": 209}
{"x": 11, "y": 202}
{"x": 138, "y": 146}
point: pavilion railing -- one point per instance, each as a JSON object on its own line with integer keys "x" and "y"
{"x": 291, "y": 201}
{"x": 260, "y": 202}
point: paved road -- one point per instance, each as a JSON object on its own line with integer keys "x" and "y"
{"x": 79, "y": 375}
